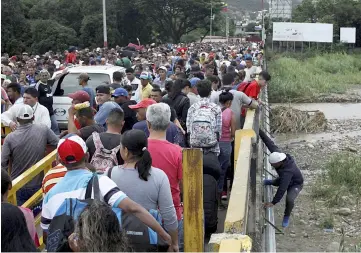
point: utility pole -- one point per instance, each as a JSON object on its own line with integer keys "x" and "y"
{"x": 227, "y": 28}
{"x": 263, "y": 28}
{"x": 210, "y": 28}
{"x": 105, "y": 25}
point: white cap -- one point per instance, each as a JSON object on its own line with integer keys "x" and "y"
{"x": 25, "y": 112}
{"x": 276, "y": 157}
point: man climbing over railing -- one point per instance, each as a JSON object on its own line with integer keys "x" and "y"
{"x": 289, "y": 178}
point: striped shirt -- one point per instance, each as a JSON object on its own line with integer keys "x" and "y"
{"x": 53, "y": 176}
{"x": 74, "y": 185}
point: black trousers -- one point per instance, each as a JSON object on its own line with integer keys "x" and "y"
{"x": 292, "y": 194}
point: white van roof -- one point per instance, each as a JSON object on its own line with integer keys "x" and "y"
{"x": 99, "y": 69}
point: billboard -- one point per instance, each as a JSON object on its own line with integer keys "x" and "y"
{"x": 348, "y": 34}
{"x": 310, "y": 32}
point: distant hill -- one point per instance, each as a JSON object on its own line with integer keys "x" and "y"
{"x": 252, "y": 5}
{"x": 247, "y": 5}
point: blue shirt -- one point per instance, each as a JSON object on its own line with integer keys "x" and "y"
{"x": 104, "y": 110}
{"x": 91, "y": 93}
{"x": 74, "y": 185}
{"x": 173, "y": 135}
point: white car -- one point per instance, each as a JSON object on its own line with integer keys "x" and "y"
{"x": 69, "y": 84}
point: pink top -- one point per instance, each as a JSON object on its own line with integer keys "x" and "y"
{"x": 4, "y": 95}
{"x": 168, "y": 157}
{"x": 30, "y": 222}
{"x": 226, "y": 125}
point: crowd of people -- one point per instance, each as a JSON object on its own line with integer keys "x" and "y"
{"x": 122, "y": 149}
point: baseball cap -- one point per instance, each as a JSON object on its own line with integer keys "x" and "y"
{"x": 25, "y": 112}
{"x": 120, "y": 92}
{"x": 143, "y": 104}
{"x": 71, "y": 149}
{"x": 163, "y": 67}
{"x": 80, "y": 95}
{"x": 194, "y": 81}
{"x": 84, "y": 76}
{"x": 276, "y": 157}
{"x": 102, "y": 89}
{"x": 144, "y": 75}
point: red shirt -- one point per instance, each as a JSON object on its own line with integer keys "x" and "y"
{"x": 252, "y": 91}
{"x": 71, "y": 58}
{"x": 168, "y": 157}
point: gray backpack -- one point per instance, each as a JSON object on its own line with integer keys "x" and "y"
{"x": 103, "y": 159}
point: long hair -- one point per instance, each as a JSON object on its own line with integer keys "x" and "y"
{"x": 137, "y": 144}
{"x": 15, "y": 235}
{"x": 99, "y": 230}
{"x": 177, "y": 88}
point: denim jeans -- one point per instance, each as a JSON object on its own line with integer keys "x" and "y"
{"x": 292, "y": 194}
{"x": 180, "y": 235}
{"x": 224, "y": 160}
{"x": 54, "y": 125}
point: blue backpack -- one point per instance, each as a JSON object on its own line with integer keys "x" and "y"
{"x": 141, "y": 237}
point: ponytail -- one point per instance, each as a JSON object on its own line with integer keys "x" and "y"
{"x": 144, "y": 164}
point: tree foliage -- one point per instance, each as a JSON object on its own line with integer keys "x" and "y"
{"x": 50, "y": 35}
{"x": 33, "y": 24}
{"x": 14, "y": 27}
{"x": 341, "y": 13}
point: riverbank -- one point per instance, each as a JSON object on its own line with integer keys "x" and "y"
{"x": 322, "y": 219}
{"x": 324, "y": 78}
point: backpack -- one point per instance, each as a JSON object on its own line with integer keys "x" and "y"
{"x": 103, "y": 159}
{"x": 63, "y": 223}
{"x": 141, "y": 237}
{"x": 202, "y": 134}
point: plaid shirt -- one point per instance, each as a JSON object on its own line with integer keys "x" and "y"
{"x": 217, "y": 125}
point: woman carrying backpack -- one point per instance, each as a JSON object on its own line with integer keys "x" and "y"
{"x": 146, "y": 185}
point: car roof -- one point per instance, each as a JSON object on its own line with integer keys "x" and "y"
{"x": 95, "y": 69}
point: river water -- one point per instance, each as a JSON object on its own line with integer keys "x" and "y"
{"x": 332, "y": 111}
{"x": 339, "y": 111}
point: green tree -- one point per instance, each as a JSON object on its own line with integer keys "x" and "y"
{"x": 250, "y": 27}
{"x": 14, "y": 27}
{"x": 50, "y": 35}
{"x": 174, "y": 18}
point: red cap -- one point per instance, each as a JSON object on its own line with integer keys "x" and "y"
{"x": 80, "y": 95}
{"x": 14, "y": 58}
{"x": 143, "y": 104}
{"x": 71, "y": 149}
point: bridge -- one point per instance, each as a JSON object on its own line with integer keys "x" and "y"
{"x": 244, "y": 227}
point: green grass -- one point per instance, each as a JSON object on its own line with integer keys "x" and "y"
{"x": 341, "y": 177}
{"x": 304, "y": 79}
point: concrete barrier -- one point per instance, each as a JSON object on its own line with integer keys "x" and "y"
{"x": 234, "y": 238}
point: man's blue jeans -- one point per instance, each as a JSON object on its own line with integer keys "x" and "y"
{"x": 54, "y": 125}
{"x": 224, "y": 159}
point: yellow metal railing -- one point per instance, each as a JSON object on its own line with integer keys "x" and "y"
{"x": 42, "y": 166}
{"x": 234, "y": 238}
{"x": 5, "y": 130}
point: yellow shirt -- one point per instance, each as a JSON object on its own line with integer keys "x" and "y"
{"x": 146, "y": 91}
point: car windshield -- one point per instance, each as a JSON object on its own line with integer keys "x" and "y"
{"x": 70, "y": 83}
